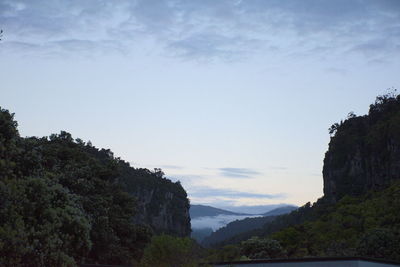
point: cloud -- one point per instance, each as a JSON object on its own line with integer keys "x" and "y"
{"x": 238, "y": 172}
{"x": 229, "y": 197}
{"x": 338, "y": 71}
{"x": 205, "y": 29}
{"x": 205, "y": 192}
{"x": 375, "y": 47}
{"x": 205, "y": 46}
{"x": 216, "y": 222}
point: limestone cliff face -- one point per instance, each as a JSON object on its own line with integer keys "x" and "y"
{"x": 364, "y": 152}
{"x": 164, "y": 211}
{"x": 161, "y": 204}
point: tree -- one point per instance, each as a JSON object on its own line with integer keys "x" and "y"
{"x": 64, "y": 202}
{"x": 351, "y": 115}
{"x": 380, "y": 243}
{"x": 332, "y": 130}
{"x": 9, "y": 137}
{"x": 158, "y": 173}
{"x": 41, "y": 224}
{"x": 262, "y": 248}
{"x": 169, "y": 251}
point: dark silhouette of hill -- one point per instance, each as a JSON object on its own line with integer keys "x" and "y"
{"x": 244, "y": 225}
{"x": 203, "y": 210}
{"x": 200, "y": 234}
{"x": 64, "y": 202}
{"x": 280, "y": 211}
{"x": 359, "y": 212}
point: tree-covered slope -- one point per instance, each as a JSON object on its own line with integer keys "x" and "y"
{"x": 359, "y": 212}
{"x": 368, "y": 225}
{"x": 364, "y": 151}
{"x": 234, "y": 228}
{"x": 274, "y": 223}
{"x": 64, "y": 202}
{"x": 238, "y": 227}
{"x": 280, "y": 210}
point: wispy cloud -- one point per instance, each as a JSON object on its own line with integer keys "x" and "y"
{"x": 205, "y": 29}
{"x": 238, "y": 172}
{"x": 228, "y": 193}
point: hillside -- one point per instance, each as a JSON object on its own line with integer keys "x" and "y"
{"x": 242, "y": 226}
{"x": 235, "y": 228}
{"x": 203, "y": 210}
{"x": 368, "y": 225}
{"x": 358, "y": 214}
{"x": 364, "y": 151}
{"x": 74, "y": 203}
{"x": 280, "y": 211}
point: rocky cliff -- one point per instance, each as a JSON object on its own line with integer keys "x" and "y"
{"x": 161, "y": 203}
{"x": 58, "y": 188}
{"x": 364, "y": 151}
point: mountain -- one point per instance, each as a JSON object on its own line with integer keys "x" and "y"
{"x": 280, "y": 211}
{"x": 200, "y": 234}
{"x": 161, "y": 203}
{"x": 235, "y": 228}
{"x": 364, "y": 151}
{"x": 358, "y": 214}
{"x": 244, "y": 225}
{"x": 65, "y": 202}
{"x": 203, "y": 210}
{"x": 366, "y": 225}
{"x": 256, "y": 209}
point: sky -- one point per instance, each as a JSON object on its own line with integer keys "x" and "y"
{"x": 232, "y": 98}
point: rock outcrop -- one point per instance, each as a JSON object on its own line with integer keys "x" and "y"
{"x": 164, "y": 211}
{"x": 364, "y": 152}
{"x": 161, "y": 203}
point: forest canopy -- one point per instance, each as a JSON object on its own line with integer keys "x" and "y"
{"x": 64, "y": 201}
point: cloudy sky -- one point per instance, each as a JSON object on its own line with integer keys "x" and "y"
{"x": 232, "y": 98}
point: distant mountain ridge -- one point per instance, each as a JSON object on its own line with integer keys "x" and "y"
{"x": 245, "y": 225}
{"x": 358, "y": 214}
{"x": 204, "y": 210}
{"x": 257, "y": 209}
{"x": 281, "y": 210}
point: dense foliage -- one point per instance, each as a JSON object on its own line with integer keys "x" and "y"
{"x": 253, "y": 248}
{"x": 245, "y": 226}
{"x": 167, "y": 251}
{"x": 235, "y": 228}
{"x": 64, "y": 202}
{"x": 368, "y": 225}
{"x": 364, "y": 150}
{"x": 359, "y": 213}
{"x": 297, "y": 216}
{"x": 262, "y": 248}
{"x": 363, "y": 226}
